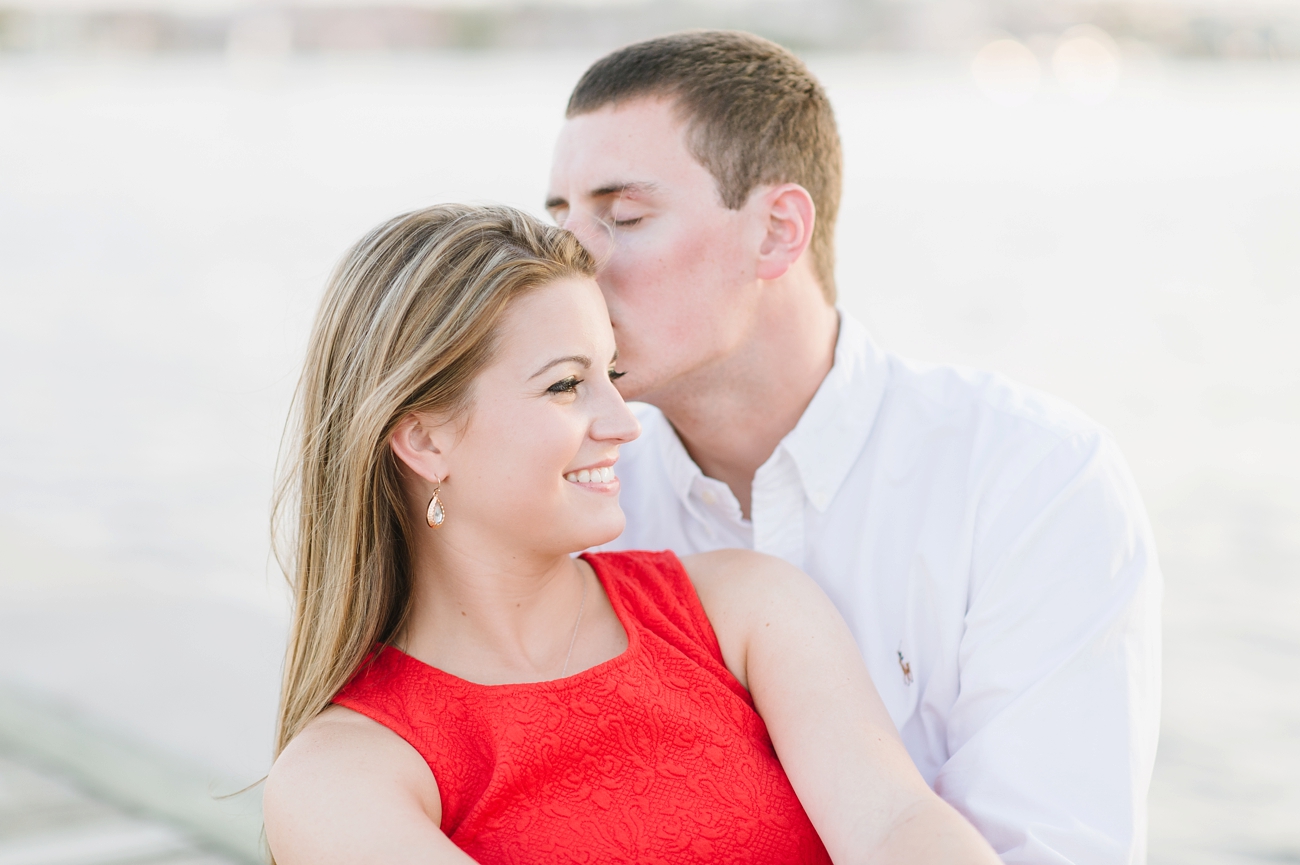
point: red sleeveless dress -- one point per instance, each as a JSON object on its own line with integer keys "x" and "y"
{"x": 655, "y": 756}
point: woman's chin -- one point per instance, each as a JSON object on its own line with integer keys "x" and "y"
{"x": 592, "y": 531}
{"x": 563, "y": 529}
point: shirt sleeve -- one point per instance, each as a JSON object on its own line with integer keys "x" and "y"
{"x": 1052, "y": 738}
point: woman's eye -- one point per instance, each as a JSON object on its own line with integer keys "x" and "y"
{"x": 626, "y": 223}
{"x": 568, "y": 385}
{"x": 614, "y": 375}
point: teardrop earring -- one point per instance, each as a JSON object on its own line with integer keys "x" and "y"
{"x": 435, "y": 514}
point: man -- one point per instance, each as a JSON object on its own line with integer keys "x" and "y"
{"x": 985, "y": 542}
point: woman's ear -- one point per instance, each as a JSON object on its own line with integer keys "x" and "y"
{"x": 790, "y": 216}
{"x": 417, "y": 442}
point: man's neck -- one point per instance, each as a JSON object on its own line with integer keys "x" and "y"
{"x": 732, "y": 415}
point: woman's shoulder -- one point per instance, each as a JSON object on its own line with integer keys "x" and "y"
{"x": 741, "y": 590}
{"x": 343, "y": 767}
{"x": 732, "y": 565}
{"x": 337, "y": 749}
{"x": 734, "y": 579}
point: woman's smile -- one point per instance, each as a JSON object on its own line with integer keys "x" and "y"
{"x": 597, "y": 478}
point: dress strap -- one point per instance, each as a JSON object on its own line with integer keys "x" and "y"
{"x": 654, "y": 590}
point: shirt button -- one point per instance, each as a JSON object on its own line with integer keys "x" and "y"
{"x": 709, "y": 497}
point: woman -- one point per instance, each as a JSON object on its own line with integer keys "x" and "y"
{"x": 459, "y": 687}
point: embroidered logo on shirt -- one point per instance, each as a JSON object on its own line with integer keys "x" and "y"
{"x": 906, "y": 668}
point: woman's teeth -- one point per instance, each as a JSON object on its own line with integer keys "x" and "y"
{"x": 591, "y": 476}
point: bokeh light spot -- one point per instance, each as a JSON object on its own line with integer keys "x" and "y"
{"x": 1007, "y": 72}
{"x": 1086, "y": 63}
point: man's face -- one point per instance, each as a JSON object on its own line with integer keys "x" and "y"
{"x": 676, "y": 266}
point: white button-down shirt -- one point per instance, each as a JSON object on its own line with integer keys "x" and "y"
{"x": 992, "y": 556}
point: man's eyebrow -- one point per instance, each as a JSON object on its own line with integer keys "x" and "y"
{"x": 581, "y": 359}
{"x": 631, "y": 187}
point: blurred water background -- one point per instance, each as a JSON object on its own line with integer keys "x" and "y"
{"x": 1086, "y": 208}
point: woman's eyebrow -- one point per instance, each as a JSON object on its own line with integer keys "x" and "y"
{"x": 581, "y": 359}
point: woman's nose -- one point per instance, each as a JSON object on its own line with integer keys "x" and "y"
{"x": 616, "y": 423}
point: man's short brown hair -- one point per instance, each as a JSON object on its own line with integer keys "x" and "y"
{"x": 756, "y": 116}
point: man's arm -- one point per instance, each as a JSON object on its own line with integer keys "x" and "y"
{"x": 1052, "y": 738}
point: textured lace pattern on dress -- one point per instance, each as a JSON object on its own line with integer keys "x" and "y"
{"x": 656, "y": 756}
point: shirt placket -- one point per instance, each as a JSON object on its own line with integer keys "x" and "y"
{"x": 777, "y": 509}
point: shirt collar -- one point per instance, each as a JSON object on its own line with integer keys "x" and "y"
{"x": 834, "y": 428}
{"x": 831, "y": 432}
{"x": 682, "y": 471}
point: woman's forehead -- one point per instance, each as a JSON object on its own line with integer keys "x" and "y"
{"x": 566, "y": 317}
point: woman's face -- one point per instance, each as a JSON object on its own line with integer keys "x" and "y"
{"x": 533, "y": 463}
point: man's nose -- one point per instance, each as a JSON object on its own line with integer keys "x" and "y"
{"x": 594, "y": 234}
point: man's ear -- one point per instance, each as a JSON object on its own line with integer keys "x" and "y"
{"x": 418, "y": 441}
{"x": 790, "y": 216}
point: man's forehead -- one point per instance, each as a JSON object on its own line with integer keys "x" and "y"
{"x": 636, "y": 117}
{"x": 628, "y": 148}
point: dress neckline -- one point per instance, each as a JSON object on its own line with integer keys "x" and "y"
{"x": 579, "y": 678}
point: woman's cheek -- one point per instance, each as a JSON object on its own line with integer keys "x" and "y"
{"x": 549, "y": 450}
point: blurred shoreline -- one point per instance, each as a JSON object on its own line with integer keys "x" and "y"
{"x": 1230, "y": 29}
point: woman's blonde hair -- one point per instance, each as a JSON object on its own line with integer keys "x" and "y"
{"x": 408, "y": 320}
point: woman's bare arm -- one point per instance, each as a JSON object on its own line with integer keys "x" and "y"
{"x": 783, "y": 639}
{"x": 349, "y": 791}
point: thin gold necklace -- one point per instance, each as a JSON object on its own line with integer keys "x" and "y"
{"x": 582, "y": 603}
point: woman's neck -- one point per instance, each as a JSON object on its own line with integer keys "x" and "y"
{"x": 495, "y": 616}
